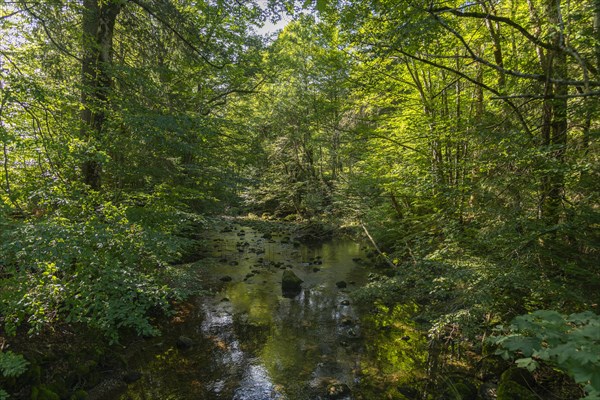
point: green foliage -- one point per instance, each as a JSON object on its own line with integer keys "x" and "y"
{"x": 571, "y": 343}
{"x": 99, "y": 269}
{"x": 12, "y": 365}
{"x": 296, "y": 124}
{"x": 421, "y": 120}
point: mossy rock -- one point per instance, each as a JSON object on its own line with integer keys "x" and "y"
{"x": 511, "y": 390}
{"x": 43, "y": 393}
{"x": 290, "y": 283}
{"x": 518, "y": 375}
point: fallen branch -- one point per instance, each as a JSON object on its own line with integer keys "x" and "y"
{"x": 382, "y": 254}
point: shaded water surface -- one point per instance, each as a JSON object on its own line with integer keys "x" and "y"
{"x": 252, "y": 343}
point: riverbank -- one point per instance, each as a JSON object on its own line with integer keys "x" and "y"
{"x": 75, "y": 361}
{"x": 355, "y": 329}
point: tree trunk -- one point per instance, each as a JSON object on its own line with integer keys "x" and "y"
{"x": 494, "y": 31}
{"x": 597, "y": 32}
{"x": 554, "y": 110}
{"x": 98, "y": 28}
{"x": 2, "y": 136}
{"x": 396, "y": 205}
{"x": 558, "y": 127}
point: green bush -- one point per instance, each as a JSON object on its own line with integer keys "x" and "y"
{"x": 96, "y": 268}
{"x": 570, "y": 343}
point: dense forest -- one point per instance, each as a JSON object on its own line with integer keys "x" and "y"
{"x": 458, "y": 140}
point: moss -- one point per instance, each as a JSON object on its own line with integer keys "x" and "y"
{"x": 518, "y": 375}
{"x": 79, "y": 395}
{"x": 510, "y": 390}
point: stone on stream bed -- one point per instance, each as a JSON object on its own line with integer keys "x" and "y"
{"x": 337, "y": 390}
{"x": 291, "y": 284}
{"x": 341, "y": 284}
{"x": 184, "y": 343}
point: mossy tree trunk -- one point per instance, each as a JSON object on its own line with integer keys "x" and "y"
{"x": 99, "y": 19}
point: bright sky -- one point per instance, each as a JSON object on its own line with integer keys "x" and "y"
{"x": 270, "y": 28}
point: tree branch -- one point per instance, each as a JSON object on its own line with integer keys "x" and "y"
{"x": 474, "y": 81}
{"x": 496, "y": 18}
{"x": 397, "y": 143}
{"x": 179, "y": 35}
{"x": 535, "y": 40}
{"x": 11, "y": 14}
{"x": 385, "y": 257}
{"x": 538, "y": 77}
{"x": 49, "y": 34}
{"x": 552, "y": 96}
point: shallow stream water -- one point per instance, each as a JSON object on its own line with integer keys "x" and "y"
{"x": 250, "y": 342}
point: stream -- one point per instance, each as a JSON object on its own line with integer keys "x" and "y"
{"x": 247, "y": 341}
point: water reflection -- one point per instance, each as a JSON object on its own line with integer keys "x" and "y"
{"x": 251, "y": 343}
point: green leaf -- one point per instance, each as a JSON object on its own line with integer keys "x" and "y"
{"x": 322, "y": 5}
{"x": 12, "y": 365}
{"x": 528, "y": 363}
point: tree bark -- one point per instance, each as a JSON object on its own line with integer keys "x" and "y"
{"x": 494, "y": 30}
{"x": 597, "y": 33}
{"x": 98, "y": 29}
{"x": 555, "y": 123}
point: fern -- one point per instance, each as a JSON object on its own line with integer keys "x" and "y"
{"x": 12, "y": 365}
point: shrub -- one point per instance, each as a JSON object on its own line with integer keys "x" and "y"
{"x": 98, "y": 269}
{"x": 570, "y": 343}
